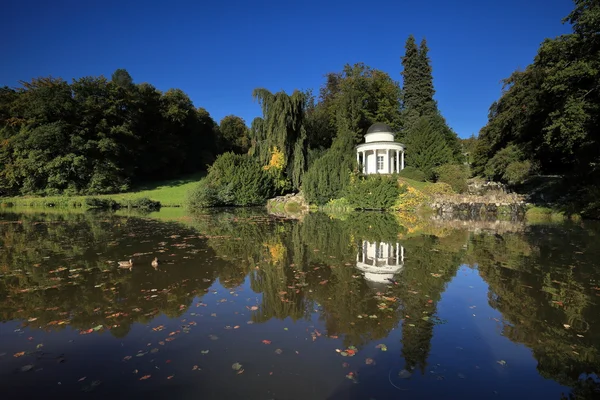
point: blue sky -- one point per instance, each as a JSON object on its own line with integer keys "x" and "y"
{"x": 219, "y": 51}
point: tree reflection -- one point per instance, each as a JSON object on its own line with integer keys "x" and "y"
{"x": 60, "y": 270}
{"x": 541, "y": 282}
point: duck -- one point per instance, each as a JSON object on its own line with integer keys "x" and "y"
{"x": 155, "y": 262}
{"x": 126, "y": 264}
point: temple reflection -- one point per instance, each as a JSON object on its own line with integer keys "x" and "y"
{"x": 380, "y": 261}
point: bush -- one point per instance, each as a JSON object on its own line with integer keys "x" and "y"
{"x": 338, "y": 205}
{"x": 233, "y": 180}
{"x": 410, "y": 199}
{"x": 143, "y": 203}
{"x": 327, "y": 178}
{"x": 413, "y": 173}
{"x": 437, "y": 189}
{"x": 96, "y": 202}
{"x": 373, "y": 192}
{"x": 516, "y": 172}
{"x": 454, "y": 175}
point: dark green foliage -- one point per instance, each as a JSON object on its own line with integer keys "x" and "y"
{"x": 495, "y": 167}
{"x": 551, "y": 111}
{"x": 232, "y": 180}
{"x": 454, "y": 175}
{"x": 281, "y": 129}
{"x": 234, "y": 135}
{"x": 413, "y": 173}
{"x": 373, "y": 192}
{"x": 97, "y": 202}
{"x": 418, "y": 101}
{"x": 327, "y": 177}
{"x": 425, "y": 150}
{"x": 356, "y": 98}
{"x": 97, "y": 136}
{"x": 143, "y": 203}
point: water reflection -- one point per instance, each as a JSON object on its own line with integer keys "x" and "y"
{"x": 380, "y": 261}
{"x": 231, "y": 280}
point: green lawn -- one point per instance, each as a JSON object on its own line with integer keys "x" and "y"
{"x": 170, "y": 193}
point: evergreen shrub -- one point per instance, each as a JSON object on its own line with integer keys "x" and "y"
{"x": 232, "y": 180}
{"x": 413, "y": 173}
{"x": 373, "y": 192}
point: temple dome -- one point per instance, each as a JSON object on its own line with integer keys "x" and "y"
{"x": 379, "y": 127}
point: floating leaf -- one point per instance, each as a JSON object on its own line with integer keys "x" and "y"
{"x": 236, "y": 366}
{"x": 278, "y": 351}
{"x": 405, "y": 374}
{"x": 27, "y": 367}
{"x": 204, "y": 351}
{"x": 266, "y": 341}
{"x": 143, "y": 378}
{"x": 370, "y": 361}
{"x": 381, "y": 346}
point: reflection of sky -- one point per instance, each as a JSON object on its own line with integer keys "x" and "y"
{"x": 470, "y": 343}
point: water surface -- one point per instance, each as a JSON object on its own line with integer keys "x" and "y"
{"x": 243, "y": 305}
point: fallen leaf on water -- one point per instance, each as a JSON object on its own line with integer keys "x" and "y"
{"x": 381, "y": 346}
{"x": 126, "y": 358}
{"x": 19, "y": 354}
{"x": 143, "y": 378}
{"x": 278, "y": 351}
{"x": 26, "y": 368}
{"x": 170, "y": 376}
{"x": 253, "y": 308}
{"x": 266, "y": 341}
{"x": 501, "y": 362}
{"x": 405, "y": 374}
{"x": 370, "y": 361}
{"x": 195, "y": 368}
{"x": 567, "y": 326}
{"x": 81, "y": 379}
{"x": 236, "y": 366}
{"x": 241, "y": 371}
{"x": 236, "y": 327}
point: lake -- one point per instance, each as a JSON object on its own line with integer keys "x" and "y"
{"x": 245, "y": 305}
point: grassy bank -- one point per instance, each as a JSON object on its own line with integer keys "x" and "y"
{"x": 170, "y": 193}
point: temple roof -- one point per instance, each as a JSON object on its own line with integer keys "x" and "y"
{"x": 379, "y": 127}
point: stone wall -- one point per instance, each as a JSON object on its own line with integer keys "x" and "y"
{"x": 473, "y": 206}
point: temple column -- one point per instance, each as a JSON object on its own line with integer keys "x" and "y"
{"x": 402, "y": 162}
{"x": 397, "y": 161}
{"x": 387, "y": 162}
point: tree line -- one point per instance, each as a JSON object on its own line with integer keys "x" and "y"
{"x": 98, "y": 135}
{"x": 306, "y": 141}
{"x": 546, "y": 121}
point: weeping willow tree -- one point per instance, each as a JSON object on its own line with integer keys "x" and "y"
{"x": 279, "y": 137}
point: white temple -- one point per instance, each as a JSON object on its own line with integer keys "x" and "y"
{"x": 379, "y": 262}
{"x": 380, "y": 154}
